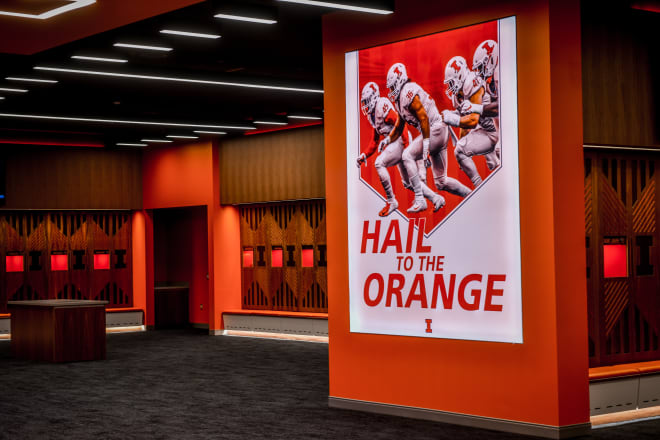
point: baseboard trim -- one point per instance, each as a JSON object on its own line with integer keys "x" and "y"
{"x": 539, "y": 430}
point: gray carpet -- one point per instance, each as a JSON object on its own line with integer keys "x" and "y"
{"x": 183, "y": 384}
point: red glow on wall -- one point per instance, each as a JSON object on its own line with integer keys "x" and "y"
{"x": 59, "y": 262}
{"x": 615, "y": 261}
{"x": 651, "y": 6}
{"x": 308, "y": 257}
{"x": 276, "y": 257}
{"x": 248, "y": 257}
{"x": 287, "y": 127}
{"x": 101, "y": 261}
{"x": 14, "y": 263}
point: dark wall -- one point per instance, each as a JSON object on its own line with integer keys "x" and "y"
{"x": 620, "y": 71}
{"x": 284, "y": 165}
{"x": 67, "y": 178}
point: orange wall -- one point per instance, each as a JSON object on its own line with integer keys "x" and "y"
{"x": 544, "y": 380}
{"x": 188, "y": 175}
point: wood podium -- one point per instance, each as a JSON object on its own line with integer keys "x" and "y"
{"x": 58, "y": 330}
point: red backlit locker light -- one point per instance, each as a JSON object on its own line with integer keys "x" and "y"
{"x": 14, "y": 263}
{"x": 101, "y": 260}
{"x": 59, "y": 262}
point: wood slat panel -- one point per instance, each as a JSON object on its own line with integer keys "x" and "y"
{"x": 286, "y": 165}
{"x": 44, "y": 178}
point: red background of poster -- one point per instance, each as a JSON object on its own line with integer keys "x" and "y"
{"x": 425, "y": 59}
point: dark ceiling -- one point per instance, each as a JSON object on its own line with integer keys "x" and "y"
{"x": 285, "y": 54}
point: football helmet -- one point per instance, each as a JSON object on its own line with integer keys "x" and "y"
{"x": 370, "y": 95}
{"x": 455, "y": 74}
{"x": 396, "y": 78}
{"x": 485, "y": 59}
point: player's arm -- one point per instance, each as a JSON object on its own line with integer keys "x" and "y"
{"x": 418, "y": 110}
{"x": 394, "y": 119}
{"x": 471, "y": 109}
{"x": 491, "y": 109}
{"x": 371, "y": 149}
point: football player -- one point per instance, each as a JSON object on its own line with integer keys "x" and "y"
{"x": 417, "y": 108}
{"x": 382, "y": 117}
{"x": 478, "y": 132}
{"x": 484, "y": 63}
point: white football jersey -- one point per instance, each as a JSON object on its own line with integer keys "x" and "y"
{"x": 379, "y": 117}
{"x": 493, "y": 86}
{"x": 408, "y": 93}
{"x": 472, "y": 84}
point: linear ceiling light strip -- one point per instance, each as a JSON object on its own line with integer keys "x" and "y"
{"x": 182, "y": 80}
{"x": 244, "y": 18}
{"x": 120, "y": 121}
{"x": 75, "y": 4}
{"x": 340, "y": 6}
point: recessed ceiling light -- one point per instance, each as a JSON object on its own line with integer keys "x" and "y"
{"x": 2, "y": 97}
{"x": 122, "y": 121}
{"x": 126, "y": 144}
{"x": 244, "y": 18}
{"x": 176, "y": 136}
{"x": 36, "y": 80}
{"x": 189, "y": 34}
{"x": 340, "y": 6}
{"x": 185, "y": 80}
{"x": 210, "y": 132}
{"x": 158, "y": 141}
{"x": 105, "y": 60}
{"x": 142, "y": 46}
{"x": 74, "y": 4}
{"x": 13, "y": 90}
{"x": 303, "y": 117}
{"x": 270, "y": 123}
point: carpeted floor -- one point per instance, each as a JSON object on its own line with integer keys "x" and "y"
{"x": 187, "y": 385}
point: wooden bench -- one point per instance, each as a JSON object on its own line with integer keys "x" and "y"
{"x": 624, "y": 387}
{"x": 278, "y": 322}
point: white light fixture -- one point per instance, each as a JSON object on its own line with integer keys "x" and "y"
{"x": 304, "y": 117}
{"x": 176, "y": 136}
{"x": 270, "y": 123}
{"x": 13, "y": 90}
{"x": 121, "y": 121}
{"x": 157, "y": 141}
{"x": 244, "y": 18}
{"x": 126, "y": 144}
{"x": 105, "y": 60}
{"x": 210, "y": 132}
{"x": 340, "y": 6}
{"x": 74, "y": 4}
{"x": 173, "y": 79}
{"x": 2, "y": 97}
{"x": 35, "y": 80}
{"x": 189, "y": 34}
{"x": 142, "y": 46}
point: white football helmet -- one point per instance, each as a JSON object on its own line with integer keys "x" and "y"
{"x": 370, "y": 95}
{"x": 485, "y": 59}
{"x": 396, "y": 78}
{"x": 455, "y": 74}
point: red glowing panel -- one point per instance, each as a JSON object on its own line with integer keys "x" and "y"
{"x": 276, "y": 257}
{"x": 14, "y": 263}
{"x": 59, "y": 262}
{"x": 248, "y": 257}
{"x": 308, "y": 258}
{"x": 615, "y": 261}
{"x": 101, "y": 261}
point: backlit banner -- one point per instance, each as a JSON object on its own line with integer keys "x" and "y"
{"x": 433, "y": 205}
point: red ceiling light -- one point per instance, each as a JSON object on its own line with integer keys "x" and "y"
{"x": 14, "y": 263}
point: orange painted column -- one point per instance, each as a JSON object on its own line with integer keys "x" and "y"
{"x": 542, "y": 382}
{"x": 139, "y": 245}
{"x": 224, "y": 254}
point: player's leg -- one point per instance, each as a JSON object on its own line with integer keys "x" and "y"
{"x": 389, "y": 157}
{"x": 476, "y": 142}
{"x": 410, "y": 157}
{"x": 438, "y": 149}
{"x": 494, "y": 158}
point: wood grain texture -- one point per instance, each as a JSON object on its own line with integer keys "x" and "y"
{"x": 47, "y": 178}
{"x": 619, "y": 76}
{"x": 58, "y": 334}
{"x": 285, "y": 165}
